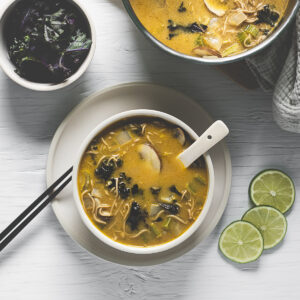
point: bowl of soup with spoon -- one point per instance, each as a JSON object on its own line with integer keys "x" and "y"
{"x": 131, "y": 190}
{"x": 211, "y": 31}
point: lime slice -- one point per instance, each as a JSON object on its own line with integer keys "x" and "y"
{"x": 241, "y": 242}
{"x": 273, "y": 188}
{"x": 270, "y": 222}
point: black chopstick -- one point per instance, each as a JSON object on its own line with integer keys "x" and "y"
{"x": 12, "y": 230}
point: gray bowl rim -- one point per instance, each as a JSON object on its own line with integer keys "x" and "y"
{"x": 216, "y": 61}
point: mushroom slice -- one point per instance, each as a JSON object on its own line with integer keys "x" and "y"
{"x": 205, "y": 51}
{"x": 217, "y": 7}
{"x": 150, "y": 156}
{"x": 179, "y": 135}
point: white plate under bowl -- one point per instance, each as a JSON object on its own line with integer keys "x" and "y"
{"x": 86, "y": 116}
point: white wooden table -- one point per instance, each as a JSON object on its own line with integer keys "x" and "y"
{"x": 44, "y": 263}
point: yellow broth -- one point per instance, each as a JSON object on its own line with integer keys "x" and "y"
{"x": 134, "y": 189}
{"x": 243, "y": 25}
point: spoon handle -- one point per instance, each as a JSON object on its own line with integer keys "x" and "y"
{"x": 213, "y": 135}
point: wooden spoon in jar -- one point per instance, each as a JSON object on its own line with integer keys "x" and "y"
{"x": 213, "y": 135}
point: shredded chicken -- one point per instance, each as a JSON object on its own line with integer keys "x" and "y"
{"x": 248, "y": 7}
{"x": 127, "y": 211}
{"x": 133, "y": 236}
{"x": 177, "y": 218}
{"x": 249, "y": 43}
{"x": 97, "y": 219}
{"x": 91, "y": 198}
{"x": 158, "y": 215}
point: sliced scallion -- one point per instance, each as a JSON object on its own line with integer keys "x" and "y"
{"x": 155, "y": 230}
{"x": 252, "y": 29}
{"x": 167, "y": 223}
{"x": 200, "y": 40}
{"x": 231, "y": 50}
{"x": 242, "y": 37}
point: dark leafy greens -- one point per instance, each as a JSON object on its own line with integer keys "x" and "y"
{"x": 47, "y": 40}
{"x": 171, "y": 208}
{"x": 136, "y": 215}
{"x": 182, "y": 8}
{"x": 267, "y": 16}
{"x": 175, "y": 29}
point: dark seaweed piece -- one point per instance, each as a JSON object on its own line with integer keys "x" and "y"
{"x": 267, "y": 16}
{"x": 173, "y": 189}
{"x": 123, "y": 190}
{"x": 265, "y": 31}
{"x": 181, "y": 8}
{"x": 119, "y": 162}
{"x": 123, "y": 177}
{"x": 136, "y": 215}
{"x": 171, "y": 208}
{"x": 155, "y": 190}
{"x": 199, "y": 163}
{"x": 95, "y": 140}
{"x": 111, "y": 183}
{"x": 171, "y": 35}
{"x": 196, "y": 28}
{"x": 105, "y": 169}
{"x": 135, "y": 189}
{"x": 192, "y": 28}
{"x": 122, "y": 185}
{"x": 106, "y": 219}
{"x": 47, "y": 40}
{"x": 136, "y": 129}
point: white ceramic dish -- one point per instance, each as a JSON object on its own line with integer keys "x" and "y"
{"x": 100, "y": 106}
{"x": 127, "y": 248}
{"x": 9, "y": 68}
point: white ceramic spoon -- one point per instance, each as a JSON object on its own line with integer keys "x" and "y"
{"x": 213, "y": 135}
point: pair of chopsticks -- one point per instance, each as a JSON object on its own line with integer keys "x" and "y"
{"x": 12, "y": 230}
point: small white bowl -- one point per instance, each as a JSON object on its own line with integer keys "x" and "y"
{"x": 97, "y": 232}
{"x": 9, "y": 68}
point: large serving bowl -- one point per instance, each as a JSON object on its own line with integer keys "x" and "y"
{"x": 128, "y": 248}
{"x": 287, "y": 19}
{"x": 9, "y": 68}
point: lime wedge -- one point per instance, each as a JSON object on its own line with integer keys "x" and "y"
{"x": 273, "y": 188}
{"x": 270, "y": 222}
{"x": 241, "y": 242}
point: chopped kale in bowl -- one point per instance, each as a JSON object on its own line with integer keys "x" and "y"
{"x": 47, "y": 40}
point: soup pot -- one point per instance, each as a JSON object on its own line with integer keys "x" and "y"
{"x": 287, "y": 19}
{"x": 129, "y": 248}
